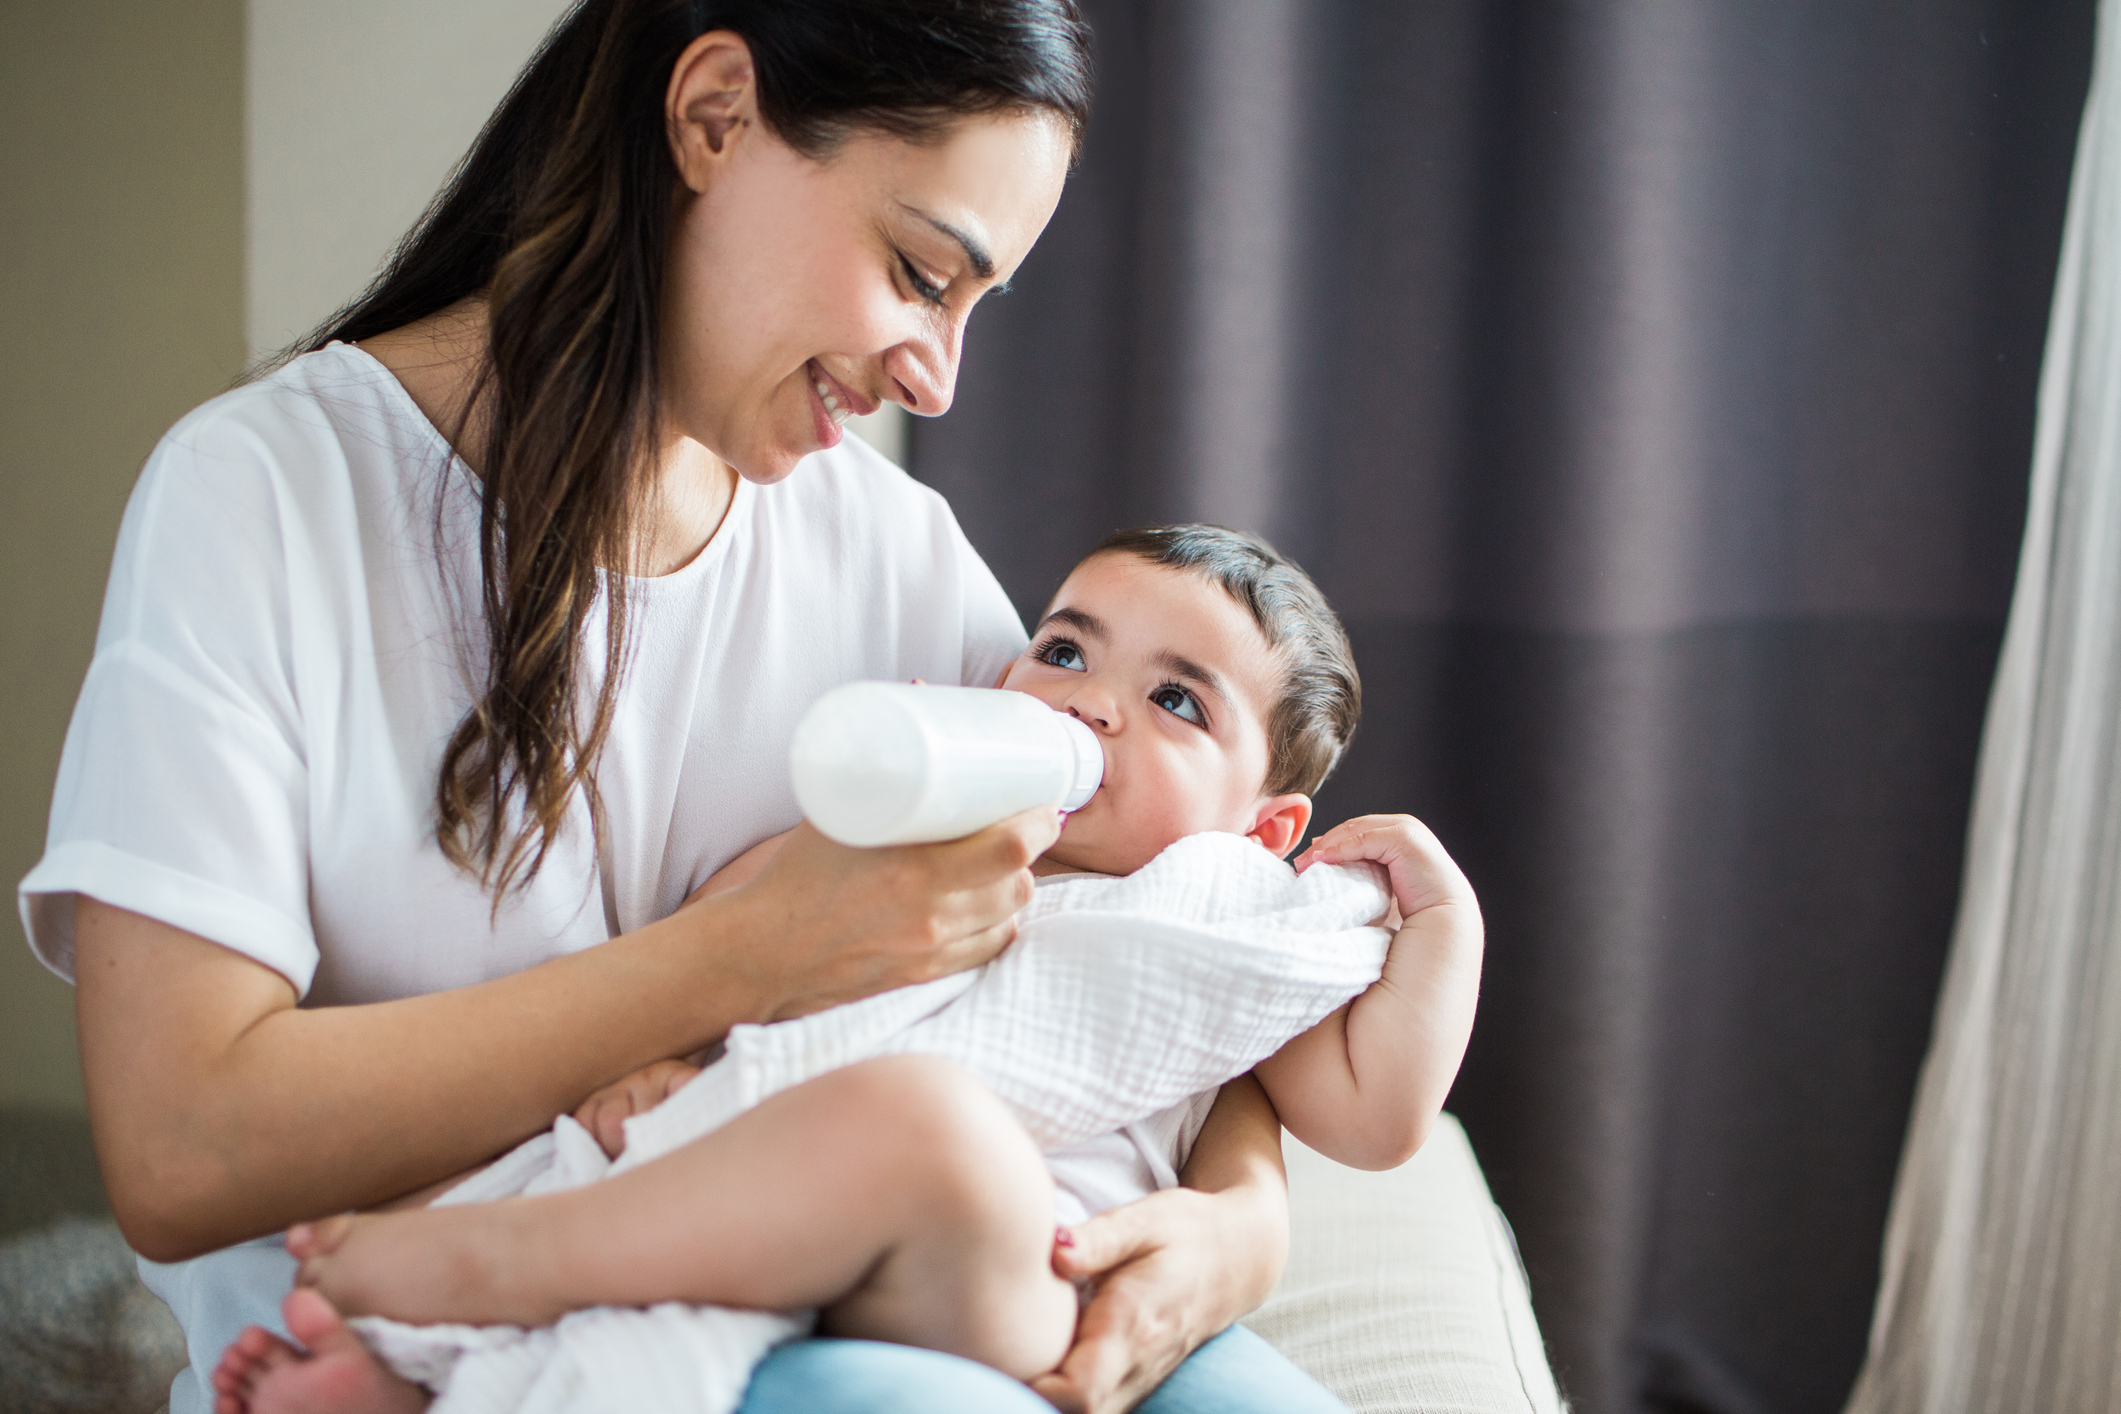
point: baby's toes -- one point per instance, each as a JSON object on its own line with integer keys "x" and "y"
{"x": 243, "y": 1363}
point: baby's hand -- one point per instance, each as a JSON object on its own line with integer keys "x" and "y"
{"x": 605, "y": 1113}
{"x": 1422, "y": 874}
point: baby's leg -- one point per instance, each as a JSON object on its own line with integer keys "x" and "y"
{"x": 899, "y": 1195}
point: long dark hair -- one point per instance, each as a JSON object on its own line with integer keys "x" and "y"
{"x": 558, "y": 219}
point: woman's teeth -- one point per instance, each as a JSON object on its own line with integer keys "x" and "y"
{"x": 833, "y": 410}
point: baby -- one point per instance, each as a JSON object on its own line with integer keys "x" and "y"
{"x": 1223, "y": 692}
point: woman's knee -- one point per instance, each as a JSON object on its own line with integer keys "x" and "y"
{"x": 1239, "y": 1373}
{"x": 872, "y": 1377}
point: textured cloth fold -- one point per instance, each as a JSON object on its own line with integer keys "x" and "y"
{"x": 1121, "y": 997}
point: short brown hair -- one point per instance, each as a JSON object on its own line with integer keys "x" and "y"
{"x": 1321, "y": 695}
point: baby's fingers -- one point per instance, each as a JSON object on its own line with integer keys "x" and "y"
{"x": 604, "y": 1116}
{"x": 1377, "y": 838}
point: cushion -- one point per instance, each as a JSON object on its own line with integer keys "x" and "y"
{"x": 1404, "y": 1290}
{"x": 79, "y": 1334}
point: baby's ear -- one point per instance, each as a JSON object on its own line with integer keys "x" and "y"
{"x": 1280, "y": 821}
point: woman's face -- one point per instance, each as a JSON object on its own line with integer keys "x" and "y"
{"x": 803, "y": 292}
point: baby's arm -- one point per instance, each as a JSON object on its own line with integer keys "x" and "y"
{"x": 1364, "y": 1086}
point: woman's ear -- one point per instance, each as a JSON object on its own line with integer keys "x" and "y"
{"x": 713, "y": 97}
{"x": 1280, "y": 822}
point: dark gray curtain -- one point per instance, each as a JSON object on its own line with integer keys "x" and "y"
{"x": 1651, "y": 387}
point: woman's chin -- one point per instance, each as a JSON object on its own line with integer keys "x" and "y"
{"x": 765, "y": 470}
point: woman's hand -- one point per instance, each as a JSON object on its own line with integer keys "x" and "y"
{"x": 822, "y": 923}
{"x": 605, "y": 1113}
{"x": 1177, "y": 1267}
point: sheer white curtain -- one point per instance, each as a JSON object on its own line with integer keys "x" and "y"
{"x": 2002, "y": 1282}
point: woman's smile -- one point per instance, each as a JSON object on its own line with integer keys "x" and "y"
{"x": 832, "y": 403}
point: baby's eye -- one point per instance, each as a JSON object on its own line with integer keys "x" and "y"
{"x": 1063, "y": 655}
{"x": 1179, "y": 703}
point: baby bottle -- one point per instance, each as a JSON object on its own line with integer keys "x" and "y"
{"x": 879, "y": 763}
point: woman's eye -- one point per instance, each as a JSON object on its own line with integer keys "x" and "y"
{"x": 922, "y": 286}
{"x": 1180, "y": 703}
{"x": 1063, "y": 655}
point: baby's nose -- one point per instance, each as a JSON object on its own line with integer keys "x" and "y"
{"x": 1099, "y": 716}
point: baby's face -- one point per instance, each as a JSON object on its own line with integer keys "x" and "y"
{"x": 1177, "y": 681}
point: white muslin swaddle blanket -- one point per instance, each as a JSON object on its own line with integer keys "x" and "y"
{"x": 1120, "y": 997}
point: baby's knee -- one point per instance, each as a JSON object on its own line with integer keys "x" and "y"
{"x": 978, "y": 1202}
{"x": 955, "y": 1139}
{"x": 954, "y": 1153}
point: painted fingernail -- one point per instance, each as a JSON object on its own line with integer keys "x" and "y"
{"x": 1063, "y": 1238}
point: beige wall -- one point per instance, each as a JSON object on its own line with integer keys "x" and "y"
{"x": 121, "y": 305}
{"x": 356, "y": 114}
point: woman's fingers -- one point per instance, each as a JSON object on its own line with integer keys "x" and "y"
{"x": 1158, "y": 1294}
{"x": 835, "y": 924}
{"x": 999, "y": 851}
{"x": 1129, "y": 1338}
{"x": 1093, "y": 1374}
{"x": 1104, "y": 1242}
{"x": 973, "y": 950}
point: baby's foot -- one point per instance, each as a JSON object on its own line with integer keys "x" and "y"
{"x": 334, "y": 1374}
{"x": 423, "y": 1266}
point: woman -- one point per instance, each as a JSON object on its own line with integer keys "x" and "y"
{"x": 442, "y": 663}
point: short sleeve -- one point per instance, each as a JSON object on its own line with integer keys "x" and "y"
{"x": 182, "y": 790}
{"x": 994, "y": 634}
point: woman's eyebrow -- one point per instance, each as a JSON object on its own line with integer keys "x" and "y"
{"x": 1084, "y": 623}
{"x": 982, "y": 263}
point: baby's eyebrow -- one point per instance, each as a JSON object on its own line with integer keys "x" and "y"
{"x": 1179, "y": 665}
{"x": 1081, "y": 622}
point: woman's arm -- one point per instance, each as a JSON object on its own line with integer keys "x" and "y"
{"x": 222, "y": 1111}
{"x": 1177, "y": 1267}
{"x": 604, "y": 1114}
{"x": 1364, "y": 1086}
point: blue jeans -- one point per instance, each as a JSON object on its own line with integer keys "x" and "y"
{"x": 1235, "y": 1373}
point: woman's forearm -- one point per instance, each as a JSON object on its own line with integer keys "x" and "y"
{"x": 222, "y": 1111}
{"x": 1237, "y": 1159}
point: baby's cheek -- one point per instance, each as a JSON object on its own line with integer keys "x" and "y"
{"x": 1165, "y": 819}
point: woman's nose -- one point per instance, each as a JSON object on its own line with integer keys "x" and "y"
{"x": 922, "y": 371}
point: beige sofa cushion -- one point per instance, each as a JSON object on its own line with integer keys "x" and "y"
{"x": 1404, "y": 1290}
